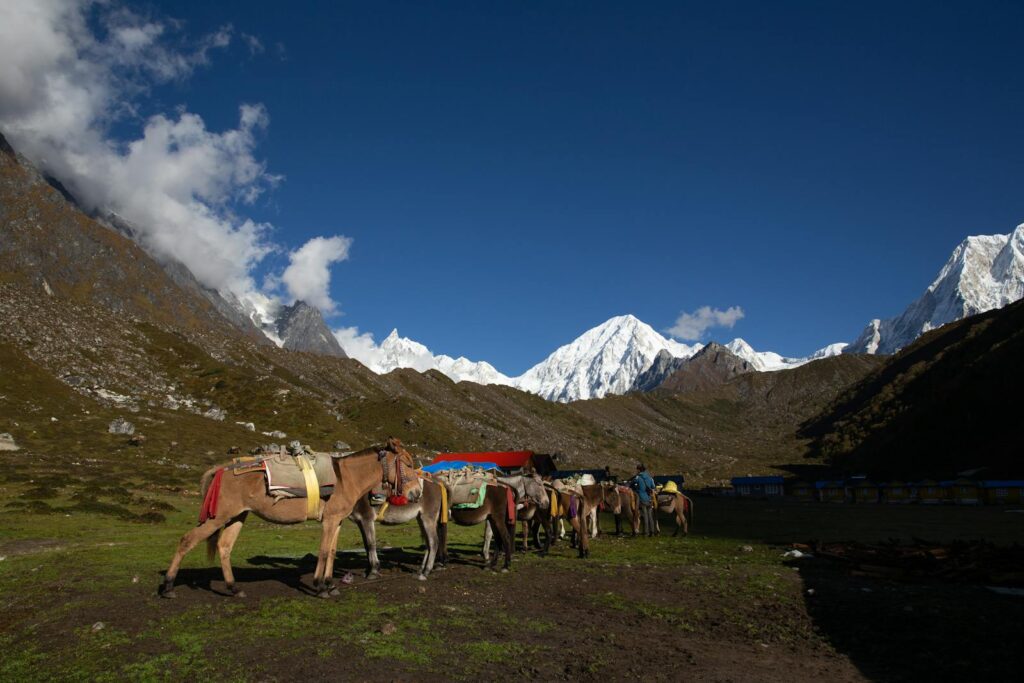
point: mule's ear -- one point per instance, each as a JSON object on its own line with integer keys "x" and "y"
{"x": 393, "y": 444}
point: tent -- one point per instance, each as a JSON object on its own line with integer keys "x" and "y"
{"x": 505, "y": 460}
{"x": 444, "y": 465}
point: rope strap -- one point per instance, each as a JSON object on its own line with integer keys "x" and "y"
{"x": 312, "y": 486}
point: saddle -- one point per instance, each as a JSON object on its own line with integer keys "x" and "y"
{"x": 665, "y": 499}
{"x": 466, "y": 487}
{"x": 305, "y": 474}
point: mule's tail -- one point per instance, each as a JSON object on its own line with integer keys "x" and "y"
{"x": 688, "y": 508}
{"x": 204, "y": 489}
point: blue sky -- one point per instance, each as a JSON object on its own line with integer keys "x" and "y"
{"x": 512, "y": 174}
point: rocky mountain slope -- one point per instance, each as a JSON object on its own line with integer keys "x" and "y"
{"x": 301, "y": 327}
{"x": 944, "y": 404}
{"x": 984, "y": 272}
{"x": 710, "y": 367}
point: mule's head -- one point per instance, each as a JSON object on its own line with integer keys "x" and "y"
{"x": 400, "y": 470}
{"x": 536, "y": 491}
{"x": 610, "y": 498}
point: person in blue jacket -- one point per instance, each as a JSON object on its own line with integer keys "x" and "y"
{"x": 643, "y": 484}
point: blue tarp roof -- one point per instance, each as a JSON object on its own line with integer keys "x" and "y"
{"x": 458, "y": 465}
{"x": 1002, "y": 483}
{"x": 756, "y": 481}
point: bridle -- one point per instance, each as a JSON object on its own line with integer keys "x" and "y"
{"x": 397, "y": 487}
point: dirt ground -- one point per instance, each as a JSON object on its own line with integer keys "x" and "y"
{"x": 719, "y": 605}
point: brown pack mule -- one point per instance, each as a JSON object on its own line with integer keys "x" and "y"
{"x": 239, "y": 495}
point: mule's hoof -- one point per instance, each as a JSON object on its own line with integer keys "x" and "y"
{"x": 504, "y": 570}
{"x": 169, "y": 594}
{"x": 239, "y": 593}
{"x": 373, "y": 576}
{"x": 421, "y": 577}
{"x": 334, "y": 592}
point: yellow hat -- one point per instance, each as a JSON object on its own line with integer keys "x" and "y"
{"x": 670, "y": 487}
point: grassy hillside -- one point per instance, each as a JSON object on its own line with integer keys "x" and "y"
{"x": 945, "y": 404}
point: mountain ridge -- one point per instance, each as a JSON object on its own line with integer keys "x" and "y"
{"x": 983, "y": 273}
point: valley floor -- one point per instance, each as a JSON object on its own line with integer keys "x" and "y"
{"x": 77, "y": 591}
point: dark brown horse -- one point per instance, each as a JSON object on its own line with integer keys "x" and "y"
{"x": 532, "y": 502}
{"x": 497, "y": 511}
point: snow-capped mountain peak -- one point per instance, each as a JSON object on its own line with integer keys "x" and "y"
{"x": 396, "y": 351}
{"x": 605, "y": 359}
{"x": 763, "y": 361}
{"x": 983, "y": 273}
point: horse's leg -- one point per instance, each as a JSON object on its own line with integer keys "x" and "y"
{"x": 584, "y": 540}
{"x": 369, "y": 532}
{"x": 501, "y": 528}
{"x": 191, "y": 538}
{"x": 487, "y": 543}
{"x": 428, "y": 529}
{"x": 329, "y": 527}
{"x": 225, "y": 543}
{"x": 545, "y": 519}
{"x": 442, "y": 545}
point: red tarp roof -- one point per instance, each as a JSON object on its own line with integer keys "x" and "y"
{"x": 501, "y": 459}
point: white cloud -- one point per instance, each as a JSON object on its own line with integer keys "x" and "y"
{"x": 360, "y": 346}
{"x": 308, "y": 275}
{"x": 253, "y": 43}
{"x": 691, "y": 326}
{"x": 178, "y": 184}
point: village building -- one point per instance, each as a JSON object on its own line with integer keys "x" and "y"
{"x": 803, "y": 490}
{"x": 963, "y": 491}
{"x": 1003, "y": 491}
{"x": 758, "y": 487}
{"x": 831, "y": 491}
{"x": 931, "y": 492}
{"x": 865, "y": 491}
{"x": 896, "y": 492}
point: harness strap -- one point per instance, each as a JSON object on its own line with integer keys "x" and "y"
{"x": 312, "y": 486}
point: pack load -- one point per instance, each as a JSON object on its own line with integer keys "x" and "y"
{"x": 574, "y": 484}
{"x": 293, "y": 472}
{"x": 466, "y": 486}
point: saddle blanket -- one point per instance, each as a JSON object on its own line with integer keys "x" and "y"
{"x": 284, "y": 475}
{"x": 466, "y": 488}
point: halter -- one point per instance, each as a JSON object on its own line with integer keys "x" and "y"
{"x": 395, "y": 495}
